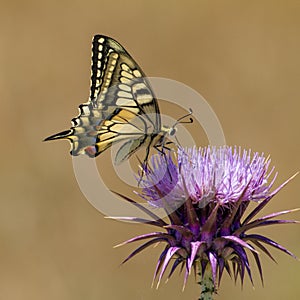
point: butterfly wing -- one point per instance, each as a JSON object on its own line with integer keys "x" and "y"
{"x": 117, "y": 83}
{"x": 123, "y": 125}
{"x": 128, "y": 148}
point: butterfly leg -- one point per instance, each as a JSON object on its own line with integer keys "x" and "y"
{"x": 144, "y": 164}
{"x": 165, "y": 156}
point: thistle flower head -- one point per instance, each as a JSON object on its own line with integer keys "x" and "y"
{"x": 205, "y": 193}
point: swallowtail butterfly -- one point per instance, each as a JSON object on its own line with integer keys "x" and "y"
{"x": 121, "y": 108}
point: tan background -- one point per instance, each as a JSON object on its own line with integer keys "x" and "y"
{"x": 242, "y": 56}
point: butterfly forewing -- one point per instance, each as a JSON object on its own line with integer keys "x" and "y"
{"x": 115, "y": 76}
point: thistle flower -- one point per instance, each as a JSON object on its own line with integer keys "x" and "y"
{"x": 205, "y": 193}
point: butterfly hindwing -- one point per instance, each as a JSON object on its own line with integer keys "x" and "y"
{"x": 128, "y": 148}
{"x": 122, "y": 125}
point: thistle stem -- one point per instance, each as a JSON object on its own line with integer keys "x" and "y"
{"x": 207, "y": 286}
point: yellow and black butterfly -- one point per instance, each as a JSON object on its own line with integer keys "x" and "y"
{"x": 121, "y": 107}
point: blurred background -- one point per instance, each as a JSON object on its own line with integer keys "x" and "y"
{"x": 242, "y": 56}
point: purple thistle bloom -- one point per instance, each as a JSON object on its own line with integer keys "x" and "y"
{"x": 205, "y": 194}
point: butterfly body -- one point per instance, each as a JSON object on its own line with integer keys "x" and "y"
{"x": 121, "y": 108}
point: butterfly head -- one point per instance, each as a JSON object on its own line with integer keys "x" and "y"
{"x": 171, "y": 131}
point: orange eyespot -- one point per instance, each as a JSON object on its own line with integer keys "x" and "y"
{"x": 91, "y": 151}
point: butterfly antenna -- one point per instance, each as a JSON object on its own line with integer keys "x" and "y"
{"x": 183, "y": 122}
{"x": 183, "y": 117}
{"x": 191, "y": 120}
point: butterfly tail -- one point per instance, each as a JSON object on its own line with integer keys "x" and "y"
{"x": 84, "y": 144}
{"x": 58, "y": 136}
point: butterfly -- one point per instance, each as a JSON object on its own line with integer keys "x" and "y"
{"x": 121, "y": 108}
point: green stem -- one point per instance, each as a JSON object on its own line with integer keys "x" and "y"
{"x": 207, "y": 286}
